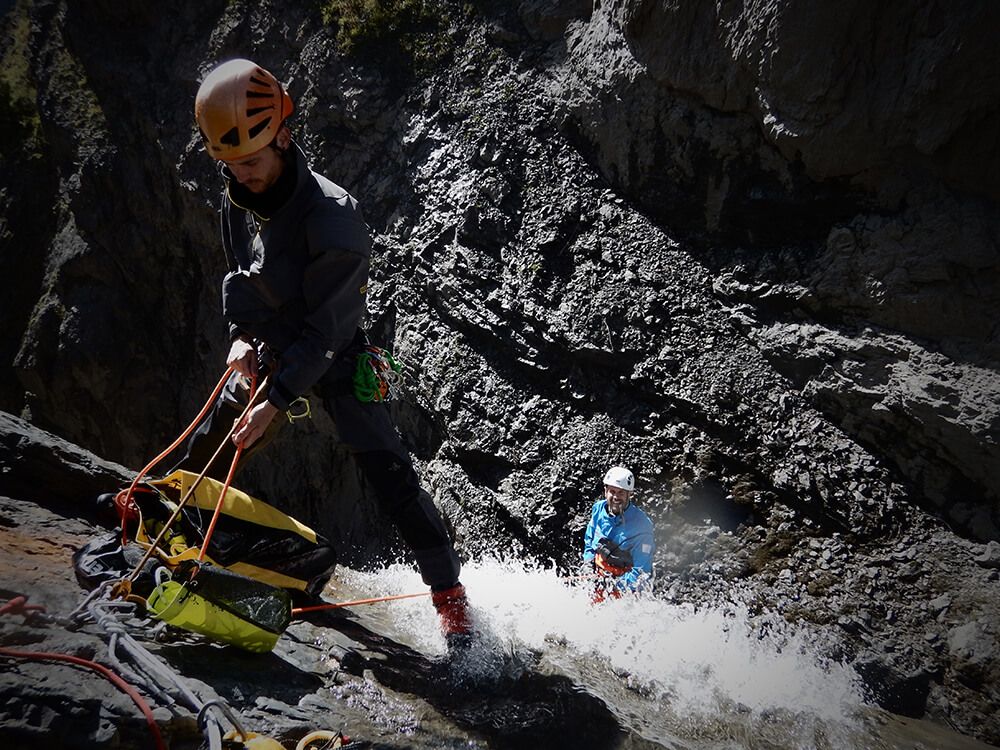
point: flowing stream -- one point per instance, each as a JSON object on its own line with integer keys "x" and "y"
{"x": 672, "y": 675}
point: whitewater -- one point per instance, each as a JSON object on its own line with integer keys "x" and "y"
{"x": 674, "y": 675}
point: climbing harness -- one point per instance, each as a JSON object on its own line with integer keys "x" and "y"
{"x": 611, "y": 562}
{"x": 377, "y": 376}
{"x": 608, "y": 568}
{"x": 611, "y": 558}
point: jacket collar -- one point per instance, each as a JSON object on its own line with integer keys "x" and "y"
{"x": 275, "y": 199}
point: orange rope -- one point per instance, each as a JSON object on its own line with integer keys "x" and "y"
{"x": 229, "y": 479}
{"x": 132, "y": 693}
{"x": 194, "y": 486}
{"x": 357, "y": 602}
{"x": 18, "y": 605}
{"x": 218, "y": 505}
{"x": 183, "y": 436}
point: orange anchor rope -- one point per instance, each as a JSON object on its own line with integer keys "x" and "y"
{"x": 124, "y": 586}
{"x": 229, "y": 476}
{"x": 357, "y": 602}
{"x": 124, "y": 502}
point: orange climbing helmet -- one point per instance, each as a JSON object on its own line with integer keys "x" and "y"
{"x": 240, "y": 108}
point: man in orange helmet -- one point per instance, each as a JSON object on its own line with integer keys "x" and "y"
{"x": 298, "y": 251}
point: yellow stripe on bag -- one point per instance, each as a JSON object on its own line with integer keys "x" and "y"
{"x": 243, "y": 568}
{"x": 268, "y": 576}
{"x": 170, "y": 560}
{"x": 238, "y": 504}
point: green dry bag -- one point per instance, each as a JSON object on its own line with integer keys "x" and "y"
{"x": 222, "y": 605}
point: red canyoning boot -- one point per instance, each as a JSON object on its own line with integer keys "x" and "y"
{"x": 453, "y": 608}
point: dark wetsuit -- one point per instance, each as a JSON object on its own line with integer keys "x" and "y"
{"x": 298, "y": 272}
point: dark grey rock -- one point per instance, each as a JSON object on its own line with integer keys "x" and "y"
{"x": 679, "y": 236}
{"x": 900, "y": 692}
{"x": 45, "y": 468}
{"x": 973, "y": 647}
{"x": 990, "y": 556}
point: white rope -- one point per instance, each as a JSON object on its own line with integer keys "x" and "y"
{"x": 149, "y": 672}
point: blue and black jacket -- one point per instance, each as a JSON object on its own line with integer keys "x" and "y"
{"x": 630, "y": 530}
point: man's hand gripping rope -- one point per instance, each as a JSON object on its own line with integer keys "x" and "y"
{"x": 123, "y": 589}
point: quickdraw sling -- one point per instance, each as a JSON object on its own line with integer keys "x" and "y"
{"x": 377, "y": 376}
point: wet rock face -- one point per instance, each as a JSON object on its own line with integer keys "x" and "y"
{"x": 734, "y": 117}
{"x": 524, "y": 293}
{"x": 768, "y": 125}
{"x": 750, "y": 252}
{"x": 37, "y": 466}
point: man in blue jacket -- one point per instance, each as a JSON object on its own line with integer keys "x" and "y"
{"x": 298, "y": 251}
{"x": 619, "y": 541}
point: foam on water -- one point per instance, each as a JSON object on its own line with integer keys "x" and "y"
{"x": 697, "y": 661}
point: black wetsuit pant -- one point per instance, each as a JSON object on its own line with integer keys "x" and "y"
{"x": 367, "y": 430}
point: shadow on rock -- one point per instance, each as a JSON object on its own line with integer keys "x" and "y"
{"x": 483, "y": 688}
{"x": 238, "y": 676}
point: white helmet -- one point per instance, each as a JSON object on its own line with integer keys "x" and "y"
{"x": 619, "y": 476}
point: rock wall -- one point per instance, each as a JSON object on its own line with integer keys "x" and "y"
{"x": 499, "y": 209}
{"x": 737, "y": 117}
{"x": 747, "y": 250}
{"x": 871, "y": 131}
{"x": 119, "y": 344}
